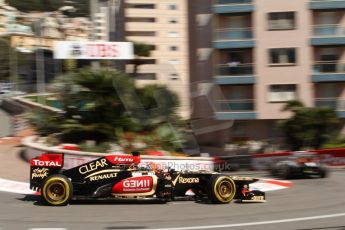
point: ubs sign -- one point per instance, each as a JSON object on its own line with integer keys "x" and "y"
{"x": 93, "y": 50}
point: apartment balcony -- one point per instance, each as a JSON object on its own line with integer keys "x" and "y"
{"x": 334, "y": 103}
{"x": 240, "y": 109}
{"x": 326, "y": 4}
{"x": 328, "y": 72}
{"x": 328, "y": 35}
{"x": 233, "y": 38}
{"x": 234, "y": 74}
{"x": 233, "y": 6}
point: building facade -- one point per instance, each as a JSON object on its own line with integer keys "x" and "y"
{"x": 107, "y": 18}
{"x": 164, "y": 25}
{"x": 268, "y": 52}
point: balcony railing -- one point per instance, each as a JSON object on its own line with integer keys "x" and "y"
{"x": 227, "y": 2}
{"x": 328, "y": 67}
{"x": 333, "y": 103}
{"x": 235, "y": 69}
{"x": 328, "y": 30}
{"x": 234, "y": 34}
{"x": 238, "y": 105}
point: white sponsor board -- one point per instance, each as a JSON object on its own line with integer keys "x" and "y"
{"x": 93, "y": 50}
{"x": 179, "y": 164}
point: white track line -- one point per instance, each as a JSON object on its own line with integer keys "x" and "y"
{"x": 47, "y": 229}
{"x": 254, "y": 223}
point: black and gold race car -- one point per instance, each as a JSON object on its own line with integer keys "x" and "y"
{"x": 123, "y": 177}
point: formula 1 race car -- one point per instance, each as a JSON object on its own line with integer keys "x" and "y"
{"x": 299, "y": 164}
{"x": 123, "y": 177}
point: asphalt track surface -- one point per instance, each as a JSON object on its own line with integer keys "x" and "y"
{"x": 317, "y": 204}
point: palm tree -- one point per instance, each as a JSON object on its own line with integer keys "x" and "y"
{"x": 99, "y": 102}
{"x": 93, "y": 109}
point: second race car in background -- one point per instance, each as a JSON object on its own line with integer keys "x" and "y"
{"x": 300, "y": 164}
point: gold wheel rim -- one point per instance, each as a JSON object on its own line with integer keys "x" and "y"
{"x": 225, "y": 189}
{"x": 56, "y": 191}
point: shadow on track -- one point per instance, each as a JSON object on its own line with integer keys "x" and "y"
{"x": 37, "y": 201}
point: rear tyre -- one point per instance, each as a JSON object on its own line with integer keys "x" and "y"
{"x": 222, "y": 189}
{"x": 57, "y": 190}
{"x": 285, "y": 172}
{"x": 273, "y": 171}
{"x": 323, "y": 172}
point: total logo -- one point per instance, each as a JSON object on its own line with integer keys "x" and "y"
{"x": 47, "y": 160}
{"x": 134, "y": 185}
{"x": 36, "y": 162}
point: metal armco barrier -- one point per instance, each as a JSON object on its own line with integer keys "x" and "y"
{"x": 233, "y": 163}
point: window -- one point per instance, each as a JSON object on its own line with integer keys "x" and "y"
{"x": 172, "y": 6}
{"x": 173, "y": 48}
{"x": 281, "y": 21}
{"x": 140, "y": 33}
{"x": 146, "y": 76}
{"x": 140, "y": 6}
{"x": 174, "y": 76}
{"x": 173, "y": 34}
{"x": 282, "y": 93}
{"x": 172, "y": 20}
{"x": 282, "y": 56}
{"x": 174, "y": 62}
{"x": 140, "y": 19}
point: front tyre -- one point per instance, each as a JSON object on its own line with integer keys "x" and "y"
{"x": 57, "y": 190}
{"x": 222, "y": 189}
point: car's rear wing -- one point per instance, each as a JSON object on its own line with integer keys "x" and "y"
{"x": 43, "y": 166}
